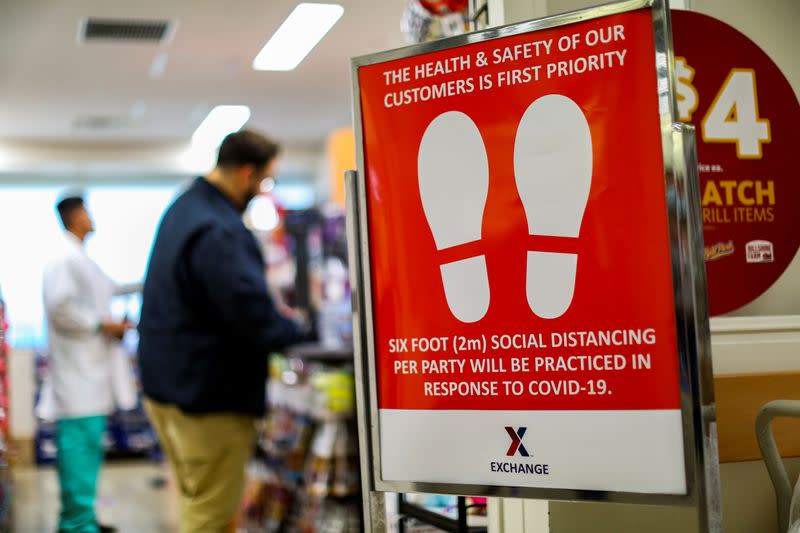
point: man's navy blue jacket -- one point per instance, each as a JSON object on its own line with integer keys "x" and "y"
{"x": 208, "y": 323}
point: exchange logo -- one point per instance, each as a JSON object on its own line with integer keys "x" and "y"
{"x": 516, "y": 441}
{"x": 517, "y": 448}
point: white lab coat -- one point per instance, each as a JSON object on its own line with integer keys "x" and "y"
{"x": 88, "y": 373}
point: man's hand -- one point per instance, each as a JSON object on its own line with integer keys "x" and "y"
{"x": 115, "y": 330}
{"x": 298, "y": 316}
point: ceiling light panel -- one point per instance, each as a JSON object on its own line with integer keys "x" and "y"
{"x": 221, "y": 121}
{"x": 305, "y": 26}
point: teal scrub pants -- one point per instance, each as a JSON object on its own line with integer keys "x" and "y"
{"x": 80, "y": 454}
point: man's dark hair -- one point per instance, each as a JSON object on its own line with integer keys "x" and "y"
{"x": 67, "y": 206}
{"x": 245, "y": 147}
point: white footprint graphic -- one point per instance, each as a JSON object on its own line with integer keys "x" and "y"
{"x": 453, "y": 172}
{"x": 553, "y": 169}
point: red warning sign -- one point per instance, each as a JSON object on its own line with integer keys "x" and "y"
{"x": 520, "y": 213}
{"x": 519, "y": 248}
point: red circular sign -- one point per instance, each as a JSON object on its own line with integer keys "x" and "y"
{"x": 747, "y": 115}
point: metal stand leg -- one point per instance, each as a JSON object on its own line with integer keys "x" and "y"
{"x": 373, "y": 503}
{"x": 707, "y": 482}
{"x": 452, "y": 525}
{"x": 462, "y": 515}
{"x": 401, "y": 523}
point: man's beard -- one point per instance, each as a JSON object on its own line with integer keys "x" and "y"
{"x": 250, "y": 195}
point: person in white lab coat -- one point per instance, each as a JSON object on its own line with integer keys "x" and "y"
{"x": 84, "y": 347}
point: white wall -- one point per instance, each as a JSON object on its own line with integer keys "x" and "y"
{"x": 21, "y": 378}
{"x": 740, "y": 345}
{"x": 122, "y": 162}
{"x": 748, "y": 506}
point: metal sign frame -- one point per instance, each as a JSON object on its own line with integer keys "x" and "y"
{"x": 688, "y": 276}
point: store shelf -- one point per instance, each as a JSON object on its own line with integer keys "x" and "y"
{"x": 305, "y": 476}
{"x": 321, "y": 353}
{"x": 5, "y": 474}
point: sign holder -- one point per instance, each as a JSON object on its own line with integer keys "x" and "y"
{"x": 688, "y": 276}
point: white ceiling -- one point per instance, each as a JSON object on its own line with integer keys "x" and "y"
{"x": 48, "y": 79}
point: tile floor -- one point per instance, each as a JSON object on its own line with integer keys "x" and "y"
{"x": 127, "y": 499}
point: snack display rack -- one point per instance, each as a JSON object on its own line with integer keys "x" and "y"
{"x": 305, "y": 476}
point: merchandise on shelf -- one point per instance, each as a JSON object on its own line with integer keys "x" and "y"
{"x": 334, "y": 312}
{"x": 5, "y": 475}
{"x": 426, "y": 20}
{"x": 307, "y": 271}
{"x": 305, "y": 478}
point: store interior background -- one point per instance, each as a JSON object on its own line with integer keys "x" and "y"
{"x": 116, "y": 119}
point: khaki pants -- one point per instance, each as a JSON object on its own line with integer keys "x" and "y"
{"x": 208, "y": 454}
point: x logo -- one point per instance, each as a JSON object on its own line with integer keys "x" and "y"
{"x": 516, "y": 441}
